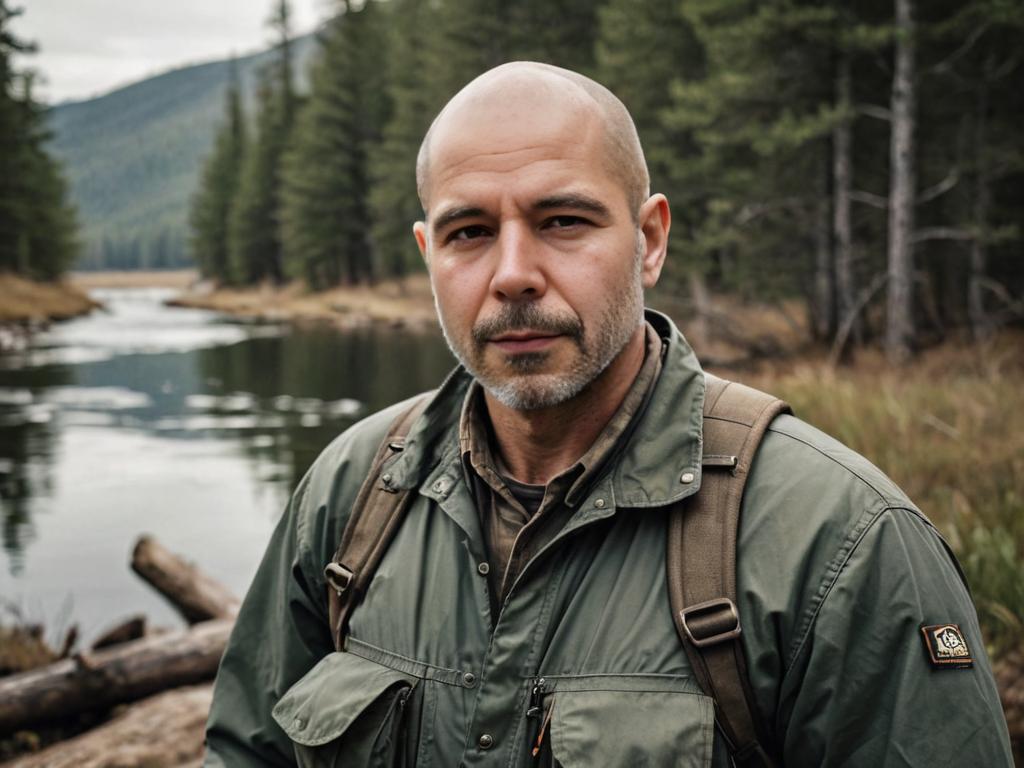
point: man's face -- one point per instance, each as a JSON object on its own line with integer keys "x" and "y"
{"x": 536, "y": 261}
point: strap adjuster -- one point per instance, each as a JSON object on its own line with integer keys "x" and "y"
{"x": 338, "y": 577}
{"x": 711, "y": 622}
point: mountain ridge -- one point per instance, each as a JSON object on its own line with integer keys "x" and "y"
{"x": 132, "y": 156}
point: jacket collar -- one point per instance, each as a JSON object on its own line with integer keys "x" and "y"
{"x": 658, "y": 465}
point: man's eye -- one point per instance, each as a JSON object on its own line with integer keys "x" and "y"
{"x": 471, "y": 232}
{"x": 563, "y": 222}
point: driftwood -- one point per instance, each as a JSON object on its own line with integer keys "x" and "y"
{"x": 126, "y": 672}
{"x": 163, "y": 730}
{"x": 196, "y": 596}
{"x": 129, "y": 629}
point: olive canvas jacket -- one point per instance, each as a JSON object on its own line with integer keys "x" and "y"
{"x": 837, "y": 573}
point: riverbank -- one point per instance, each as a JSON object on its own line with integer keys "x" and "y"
{"x": 28, "y": 302}
{"x": 178, "y": 279}
{"x": 405, "y": 303}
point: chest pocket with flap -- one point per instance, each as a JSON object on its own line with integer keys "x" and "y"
{"x": 350, "y": 711}
{"x": 657, "y": 721}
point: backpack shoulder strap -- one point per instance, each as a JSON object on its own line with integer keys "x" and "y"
{"x": 702, "y": 561}
{"x": 373, "y": 521}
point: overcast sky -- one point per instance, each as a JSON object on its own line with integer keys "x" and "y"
{"x": 90, "y": 47}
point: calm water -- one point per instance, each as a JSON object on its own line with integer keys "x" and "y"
{"x": 175, "y": 422}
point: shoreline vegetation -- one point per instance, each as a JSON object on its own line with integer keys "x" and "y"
{"x": 31, "y": 303}
{"x": 402, "y": 303}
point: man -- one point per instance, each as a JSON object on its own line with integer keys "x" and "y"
{"x": 520, "y": 616}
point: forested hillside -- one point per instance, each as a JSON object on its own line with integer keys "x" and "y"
{"x": 133, "y": 157}
{"x": 865, "y": 157}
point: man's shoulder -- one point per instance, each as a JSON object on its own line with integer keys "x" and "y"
{"x": 808, "y": 457}
{"x": 348, "y": 456}
{"x": 326, "y": 494}
{"x": 812, "y": 496}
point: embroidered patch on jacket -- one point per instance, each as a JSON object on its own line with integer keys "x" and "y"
{"x": 946, "y": 646}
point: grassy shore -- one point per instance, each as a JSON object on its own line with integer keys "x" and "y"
{"x": 179, "y": 279}
{"x": 25, "y": 301}
{"x": 406, "y": 303}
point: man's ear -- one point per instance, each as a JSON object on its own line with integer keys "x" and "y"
{"x": 419, "y": 231}
{"x": 655, "y": 219}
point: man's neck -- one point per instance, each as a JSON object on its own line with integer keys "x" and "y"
{"x": 537, "y": 445}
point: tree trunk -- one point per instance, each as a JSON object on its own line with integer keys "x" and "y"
{"x": 95, "y": 681}
{"x": 196, "y": 596}
{"x": 980, "y": 324}
{"x": 842, "y": 183}
{"x": 824, "y": 273}
{"x": 162, "y": 731}
{"x": 899, "y": 331}
{"x": 697, "y": 330}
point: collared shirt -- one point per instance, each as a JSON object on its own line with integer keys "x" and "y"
{"x": 513, "y": 534}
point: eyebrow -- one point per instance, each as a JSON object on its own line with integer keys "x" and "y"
{"x": 572, "y": 200}
{"x": 453, "y": 214}
{"x": 575, "y": 201}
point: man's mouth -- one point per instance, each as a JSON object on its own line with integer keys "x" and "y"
{"x": 515, "y": 342}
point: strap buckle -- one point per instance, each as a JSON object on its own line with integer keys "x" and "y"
{"x": 338, "y": 577}
{"x": 711, "y": 622}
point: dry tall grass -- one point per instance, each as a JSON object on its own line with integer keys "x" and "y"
{"x": 23, "y": 300}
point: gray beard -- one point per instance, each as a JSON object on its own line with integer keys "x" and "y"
{"x": 524, "y": 389}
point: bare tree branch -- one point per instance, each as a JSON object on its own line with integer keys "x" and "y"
{"x": 843, "y": 335}
{"x": 875, "y": 111}
{"x": 752, "y": 211}
{"x": 1015, "y": 306}
{"x": 936, "y": 190}
{"x": 942, "y": 233}
{"x": 969, "y": 43}
{"x": 869, "y": 198}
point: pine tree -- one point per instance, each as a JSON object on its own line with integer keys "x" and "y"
{"x": 641, "y": 51}
{"x": 211, "y": 204}
{"x": 253, "y": 227}
{"x": 37, "y": 224}
{"x": 414, "y": 101}
{"x": 761, "y": 119}
{"x": 325, "y": 220}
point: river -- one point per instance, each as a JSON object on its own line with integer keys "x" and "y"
{"x": 176, "y": 422}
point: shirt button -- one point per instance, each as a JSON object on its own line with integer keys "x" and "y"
{"x": 485, "y": 741}
{"x": 483, "y": 569}
{"x": 599, "y": 503}
{"x": 469, "y": 678}
{"x": 686, "y": 478}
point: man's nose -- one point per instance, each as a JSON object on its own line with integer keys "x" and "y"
{"x": 519, "y": 270}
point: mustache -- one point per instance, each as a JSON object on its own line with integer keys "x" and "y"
{"x": 522, "y": 317}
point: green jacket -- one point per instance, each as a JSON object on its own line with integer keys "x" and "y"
{"x": 837, "y": 572}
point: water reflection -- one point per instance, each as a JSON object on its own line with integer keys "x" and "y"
{"x": 175, "y": 422}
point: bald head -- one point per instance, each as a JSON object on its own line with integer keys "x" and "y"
{"x": 540, "y": 89}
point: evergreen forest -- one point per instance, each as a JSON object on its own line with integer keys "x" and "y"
{"x": 865, "y": 156}
{"x": 38, "y": 229}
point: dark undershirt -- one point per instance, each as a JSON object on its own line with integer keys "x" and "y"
{"x": 530, "y": 496}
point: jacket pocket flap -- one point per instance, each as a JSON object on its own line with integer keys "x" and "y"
{"x": 630, "y": 725}
{"x": 328, "y": 698}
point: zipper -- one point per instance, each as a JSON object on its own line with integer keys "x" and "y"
{"x": 539, "y": 712}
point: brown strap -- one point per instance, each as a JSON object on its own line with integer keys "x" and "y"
{"x": 702, "y": 562}
{"x": 375, "y": 517}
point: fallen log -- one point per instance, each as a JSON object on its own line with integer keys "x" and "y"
{"x": 196, "y": 596}
{"x": 98, "y": 680}
{"x": 159, "y": 732}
